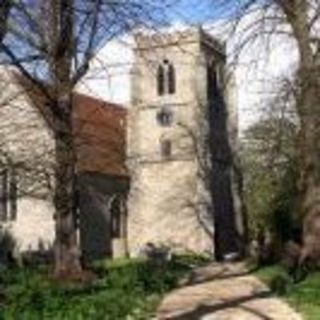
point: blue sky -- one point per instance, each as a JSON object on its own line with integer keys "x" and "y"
{"x": 201, "y": 11}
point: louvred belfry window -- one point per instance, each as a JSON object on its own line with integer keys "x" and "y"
{"x": 160, "y": 80}
{"x": 166, "y": 78}
{"x": 171, "y": 79}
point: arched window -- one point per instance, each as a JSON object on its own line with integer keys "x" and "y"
{"x": 171, "y": 79}
{"x": 8, "y": 194}
{"x": 160, "y": 80}
{"x": 166, "y": 78}
{"x": 115, "y": 217}
{"x": 4, "y": 195}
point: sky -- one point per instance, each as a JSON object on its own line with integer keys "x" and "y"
{"x": 258, "y": 69}
{"x": 193, "y": 11}
{"x": 203, "y": 11}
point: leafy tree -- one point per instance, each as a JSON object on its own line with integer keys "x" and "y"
{"x": 299, "y": 20}
{"x": 270, "y": 178}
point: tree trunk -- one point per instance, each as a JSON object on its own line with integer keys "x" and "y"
{"x": 309, "y": 163}
{"x": 67, "y": 258}
{"x": 309, "y": 142}
{"x": 308, "y": 109}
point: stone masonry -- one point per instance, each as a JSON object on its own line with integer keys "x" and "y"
{"x": 169, "y": 202}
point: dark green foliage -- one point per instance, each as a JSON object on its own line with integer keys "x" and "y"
{"x": 281, "y": 284}
{"x": 284, "y": 223}
{"x": 124, "y": 289}
{"x": 7, "y": 247}
{"x": 270, "y": 170}
{"x": 304, "y": 296}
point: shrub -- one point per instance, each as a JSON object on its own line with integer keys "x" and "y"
{"x": 7, "y": 247}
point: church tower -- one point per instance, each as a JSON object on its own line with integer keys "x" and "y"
{"x": 175, "y": 80}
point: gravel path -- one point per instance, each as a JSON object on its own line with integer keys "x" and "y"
{"x": 224, "y": 292}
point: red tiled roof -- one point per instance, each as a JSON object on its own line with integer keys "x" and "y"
{"x": 100, "y": 131}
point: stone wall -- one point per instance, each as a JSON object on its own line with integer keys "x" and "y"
{"x": 163, "y": 209}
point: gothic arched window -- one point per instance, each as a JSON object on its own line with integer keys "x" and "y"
{"x": 160, "y": 80}
{"x": 8, "y": 194}
{"x": 166, "y": 78}
{"x": 171, "y": 79}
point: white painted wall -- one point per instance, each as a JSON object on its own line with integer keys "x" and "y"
{"x": 34, "y": 227}
{"x": 27, "y": 142}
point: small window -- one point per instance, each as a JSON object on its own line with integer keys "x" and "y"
{"x": 166, "y": 148}
{"x": 116, "y": 218}
{"x": 164, "y": 118}
{"x": 8, "y": 195}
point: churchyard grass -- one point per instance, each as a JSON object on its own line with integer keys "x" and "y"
{"x": 123, "y": 289}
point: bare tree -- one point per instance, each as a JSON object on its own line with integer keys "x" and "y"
{"x": 51, "y": 45}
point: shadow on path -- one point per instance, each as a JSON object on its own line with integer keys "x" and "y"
{"x": 196, "y": 277}
{"x": 226, "y": 291}
{"x": 202, "y": 310}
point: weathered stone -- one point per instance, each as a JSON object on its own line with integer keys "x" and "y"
{"x": 169, "y": 201}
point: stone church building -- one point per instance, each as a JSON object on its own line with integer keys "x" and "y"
{"x": 157, "y": 171}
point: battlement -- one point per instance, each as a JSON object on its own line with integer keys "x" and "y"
{"x": 147, "y": 41}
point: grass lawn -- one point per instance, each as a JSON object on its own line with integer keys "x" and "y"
{"x": 124, "y": 289}
{"x": 303, "y": 296}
